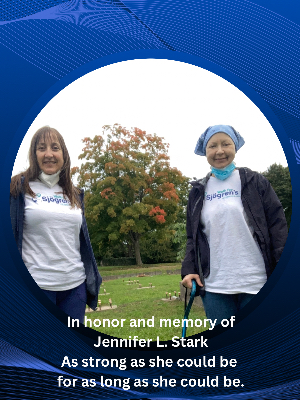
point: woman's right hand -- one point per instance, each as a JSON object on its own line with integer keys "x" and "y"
{"x": 187, "y": 280}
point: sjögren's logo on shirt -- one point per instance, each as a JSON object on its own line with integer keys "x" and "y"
{"x": 58, "y": 199}
{"x": 222, "y": 194}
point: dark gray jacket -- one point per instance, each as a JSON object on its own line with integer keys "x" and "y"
{"x": 265, "y": 214}
{"x": 93, "y": 278}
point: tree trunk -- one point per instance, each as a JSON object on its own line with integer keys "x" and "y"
{"x": 136, "y": 242}
{"x": 130, "y": 249}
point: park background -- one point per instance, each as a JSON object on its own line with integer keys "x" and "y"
{"x": 48, "y": 45}
{"x": 136, "y": 193}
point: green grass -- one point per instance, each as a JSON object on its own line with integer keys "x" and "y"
{"x": 134, "y": 269}
{"x": 134, "y": 303}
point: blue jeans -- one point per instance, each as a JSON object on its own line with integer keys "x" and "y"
{"x": 72, "y": 301}
{"x": 222, "y": 306}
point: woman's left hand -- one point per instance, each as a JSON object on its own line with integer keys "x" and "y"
{"x": 187, "y": 280}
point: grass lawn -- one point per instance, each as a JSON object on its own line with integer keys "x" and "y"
{"x": 134, "y": 303}
{"x": 134, "y": 269}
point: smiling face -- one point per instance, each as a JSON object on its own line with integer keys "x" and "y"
{"x": 220, "y": 150}
{"x": 49, "y": 155}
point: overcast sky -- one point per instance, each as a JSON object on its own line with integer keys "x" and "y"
{"x": 175, "y": 100}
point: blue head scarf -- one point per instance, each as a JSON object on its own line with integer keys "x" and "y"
{"x": 210, "y": 131}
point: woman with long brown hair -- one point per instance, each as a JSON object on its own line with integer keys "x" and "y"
{"x": 50, "y": 229}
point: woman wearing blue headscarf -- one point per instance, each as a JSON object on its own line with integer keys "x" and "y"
{"x": 236, "y": 228}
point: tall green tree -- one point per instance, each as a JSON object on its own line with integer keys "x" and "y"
{"x": 180, "y": 239}
{"x": 130, "y": 187}
{"x": 280, "y": 179}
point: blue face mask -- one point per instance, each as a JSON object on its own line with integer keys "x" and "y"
{"x": 223, "y": 173}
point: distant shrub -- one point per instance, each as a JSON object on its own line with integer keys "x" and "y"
{"x": 118, "y": 262}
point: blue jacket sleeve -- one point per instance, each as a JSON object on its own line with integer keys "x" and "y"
{"x": 189, "y": 264}
{"x": 276, "y": 221}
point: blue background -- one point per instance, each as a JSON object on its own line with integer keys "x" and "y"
{"x": 44, "y": 46}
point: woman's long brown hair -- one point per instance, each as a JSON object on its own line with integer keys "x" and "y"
{"x": 46, "y": 134}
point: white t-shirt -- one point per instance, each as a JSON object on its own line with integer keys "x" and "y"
{"x": 236, "y": 262}
{"x": 51, "y": 246}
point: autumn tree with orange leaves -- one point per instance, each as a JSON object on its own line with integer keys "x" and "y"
{"x": 130, "y": 187}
